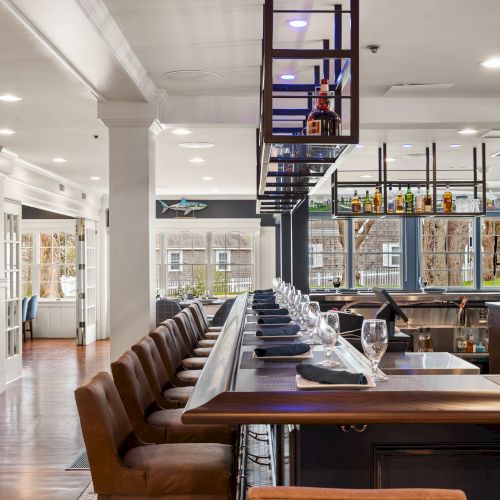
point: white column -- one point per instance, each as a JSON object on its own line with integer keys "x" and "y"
{"x": 132, "y": 129}
{"x": 3, "y": 340}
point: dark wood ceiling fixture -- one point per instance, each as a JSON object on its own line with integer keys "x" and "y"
{"x": 288, "y": 160}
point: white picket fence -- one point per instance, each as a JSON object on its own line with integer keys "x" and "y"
{"x": 232, "y": 285}
{"x": 388, "y": 277}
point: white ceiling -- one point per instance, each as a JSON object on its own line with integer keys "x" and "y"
{"x": 421, "y": 42}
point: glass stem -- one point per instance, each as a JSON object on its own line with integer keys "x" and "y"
{"x": 374, "y": 363}
{"x": 328, "y": 353}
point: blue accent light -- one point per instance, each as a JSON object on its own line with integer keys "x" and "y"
{"x": 298, "y": 23}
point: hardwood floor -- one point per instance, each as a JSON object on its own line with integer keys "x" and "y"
{"x": 39, "y": 428}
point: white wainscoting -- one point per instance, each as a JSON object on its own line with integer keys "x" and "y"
{"x": 55, "y": 320}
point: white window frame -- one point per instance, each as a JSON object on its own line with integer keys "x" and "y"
{"x": 222, "y": 266}
{"x": 315, "y": 255}
{"x": 391, "y": 250}
{"x": 171, "y": 269}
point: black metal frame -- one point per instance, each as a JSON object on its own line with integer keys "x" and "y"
{"x": 273, "y": 137}
{"x": 431, "y": 179}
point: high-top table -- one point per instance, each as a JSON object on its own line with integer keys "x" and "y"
{"x": 418, "y": 430}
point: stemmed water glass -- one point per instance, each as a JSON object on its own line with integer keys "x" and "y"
{"x": 328, "y": 335}
{"x": 304, "y": 300}
{"x": 295, "y": 304}
{"x": 374, "y": 339}
{"x": 312, "y": 322}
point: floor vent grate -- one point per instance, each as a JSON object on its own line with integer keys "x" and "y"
{"x": 81, "y": 462}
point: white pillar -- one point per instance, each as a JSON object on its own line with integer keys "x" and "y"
{"x": 132, "y": 129}
{"x": 3, "y": 283}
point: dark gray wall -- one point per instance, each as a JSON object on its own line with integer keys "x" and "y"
{"x": 36, "y": 213}
{"x": 218, "y": 209}
{"x": 286, "y": 247}
{"x": 300, "y": 247}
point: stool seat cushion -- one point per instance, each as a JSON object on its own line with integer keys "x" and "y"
{"x": 207, "y": 342}
{"x": 190, "y": 376}
{"x": 181, "y": 394}
{"x": 202, "y": 351}
{"x": 178, "y": 432}
{"x": 182, "y": 469}
{"x": 194, "y": 363}
{"x": 211, "y": 335}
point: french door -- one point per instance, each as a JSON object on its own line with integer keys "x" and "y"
{"x": 86, "y": 310}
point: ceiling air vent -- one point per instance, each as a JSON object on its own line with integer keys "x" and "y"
{"x": 419, "y": 89}
{"x": 84, "y": 196}
{"x": 62, "y": 187}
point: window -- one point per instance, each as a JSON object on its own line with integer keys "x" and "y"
{"x": 315, "y": 255}
{"x": 327, "y": 252}
{"x": 174, "y": 260}
{"x": 49, "y": 264}
{"x": 377, "y": 253}
{"x": 223, "y": 259}
{"x": 490, "y": 247}
{"x": 447, "y": 252}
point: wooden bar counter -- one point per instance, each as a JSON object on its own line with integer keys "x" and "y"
{"x": 394, "y": 435}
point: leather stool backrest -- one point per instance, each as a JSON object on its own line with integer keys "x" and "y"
{"x": 106, "y": 429}
{"x": 199, "y": 317}
{"x": 196, "y": 332}
{"x": 177, "y": 338}
{"x": 153, "y": 366}
{"x": 186, "y": 332}
{"x": 136, "y": 395}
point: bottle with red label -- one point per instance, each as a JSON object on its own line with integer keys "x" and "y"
{"x": 322, "y": 120}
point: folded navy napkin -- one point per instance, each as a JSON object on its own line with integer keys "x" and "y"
{"x": 273, "y": 312}
{"x": 273, "y": 331}
{"x": 264, "y": 296}
{"x": 267, "y": 305}
{"x": 267, "y": 290}
{"x": 326, "y": 376}
{"x": 267, "y": 300}
{"x": 271, "y": 320}
{"x": 282, "y": 350}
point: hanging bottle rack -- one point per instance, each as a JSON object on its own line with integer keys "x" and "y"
{"x": 476, "y": 184}
{"x": 289, "y": 163}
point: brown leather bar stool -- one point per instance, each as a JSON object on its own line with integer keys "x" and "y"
{"x": 172, "y": 351}
{"x": 204, "y": 319}
{"x": 164, "y": 392}
{"x": 189, "y": 337}
{"x": 305, "y": 493}
{"x": 124, "y": 467}
{"x": 201, "y": 339}
{"x": 151, "y": 422}
{"x": 207, "y": 331}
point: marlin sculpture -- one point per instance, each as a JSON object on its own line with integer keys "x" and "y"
{"x": 183, "y": 206}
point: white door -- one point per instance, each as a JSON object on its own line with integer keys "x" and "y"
{"x": 86, "y": 286}
{"x": 12, "y": 320}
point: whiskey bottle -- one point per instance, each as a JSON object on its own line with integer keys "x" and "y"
{"x": 461, "y": 341}
{"x": 390, "y": 200}
{"x": 409, "y": 201}
{"x": 428, "y": 341}
{"x": 470, "y": 343}
{"x": 427, "y": 202}
{"x": 355, "y": 204}
{"x": 367, "y": 203}
{"x": 322, "y": 120}
{"x": 447, "y": 201}
{"x": 419, "y": 201}
{"x": 400, "y": 202}
{"x": 377, "y": 201}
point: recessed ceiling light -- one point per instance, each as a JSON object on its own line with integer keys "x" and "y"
{"x": 455, "y": 146}
{"x": 298, "y": 23}
{"x": 389, "y": 160}
{"x": 6, "y": 131}
{"x": 191, "y": 75}
{"x": 406, "y": 145}
{"x": 287, "y": 76}
{"x": 366, "y": 176}
{"x": 468, "y": 131}
{"x": 196, "y": 145}
{"x": 10, "y": 98}
{"x": 360, "y": 145}
{"x": 492, "y": 63}
{"x": 181, "y": 131}
{"x": 197, "y": 160}
{"x": 207, "y": 178}
{"x": 59, "y": 160}
{"x": 95, "y": 178}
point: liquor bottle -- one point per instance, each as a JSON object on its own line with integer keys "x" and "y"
{"x": 400, "y": 202}
{"x": 470, "y": 343}
{"x": 355, "y": 204}
{"x": 428, "y": 341}
{"x": 322, "y": 120}
{"x": 427, "y": 202}
{"x": 377, "y": 201}
{"x": 390, "y": 200}
{"x": 419, "y": 201}
{"x": 461, "y": 341}
{"x": 447, "y": 201}
{"x": 421, "y": 340}
{"x": 367, "y": 203}
{"x": 409, "y": 201}
{"x": 480, "y": 347}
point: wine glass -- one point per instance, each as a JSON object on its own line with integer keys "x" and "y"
{"x": 422, "y": 282}
{"x": 312, "y": 321}
{"x": 374, "y": 339}
{"x": 296, "y": 304}
{"x": 337, "y": 280}
{"x": 301, "y": 310}
{"x": 328, "y": 335}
